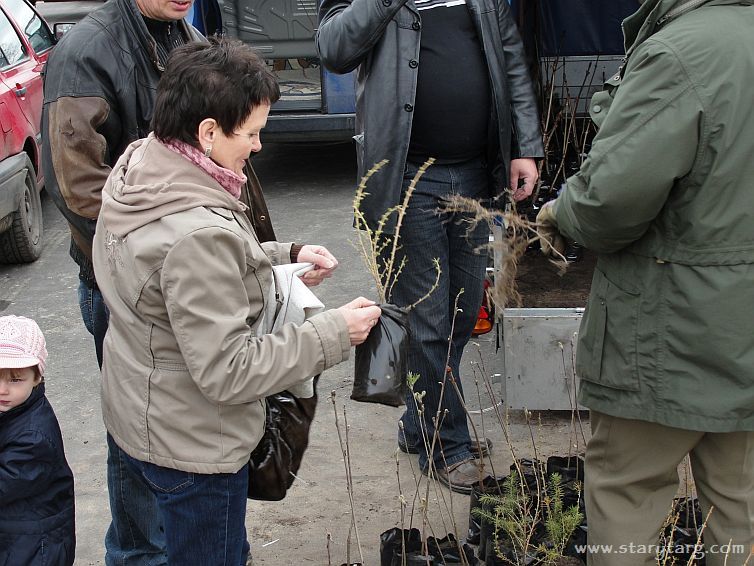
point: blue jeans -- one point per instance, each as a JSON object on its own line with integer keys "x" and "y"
{"x": 95, "y": 315}
{"x": 204, "y": 514}
{"x": 428, "y": 233}
{"x": 135, "y": 535}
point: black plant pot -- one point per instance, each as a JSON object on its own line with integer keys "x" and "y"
{"x": 685, "y": 532}
{"x": 570, "y": 468}
{"x": 532, "y": 472}
{"x": 493, "y": 551}
{"x": 488, "y": 486}
{"x": 392, "y": 547}
{"x": 444, "y": 551}
{"x": 577, "y": 540}
{"x": 447, "y": 550}
{"x": 573, "y": 496}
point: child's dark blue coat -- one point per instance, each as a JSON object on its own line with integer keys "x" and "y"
{"x": 36, "y": 487}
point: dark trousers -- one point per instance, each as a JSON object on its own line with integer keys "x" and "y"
{"x": 428, "y": 233}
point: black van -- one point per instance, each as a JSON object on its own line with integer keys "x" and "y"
{"x": 315, "y": 105}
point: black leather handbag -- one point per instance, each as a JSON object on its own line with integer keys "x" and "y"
{"x": 275, "y": 461}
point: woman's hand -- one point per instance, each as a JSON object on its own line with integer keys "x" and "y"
{"x": 361, "y": 316}
{"x": 324, "y": 264}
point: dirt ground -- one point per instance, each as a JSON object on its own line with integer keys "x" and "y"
{"x": 541, "y": 285}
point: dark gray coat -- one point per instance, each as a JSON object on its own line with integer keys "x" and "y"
{"x": 382, "y": 39}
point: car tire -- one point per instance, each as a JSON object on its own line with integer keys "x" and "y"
{"x": 22, "y": 242}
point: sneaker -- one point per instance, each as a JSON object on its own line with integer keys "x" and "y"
{"x": 478, "y": 449}
{"x": 461, "y": 476}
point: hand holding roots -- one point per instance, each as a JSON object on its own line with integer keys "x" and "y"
{"x": 517, "y": 234}
{"x": 551, "y": 241}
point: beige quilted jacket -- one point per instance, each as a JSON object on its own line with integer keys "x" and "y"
{"x": 186, "y": 281}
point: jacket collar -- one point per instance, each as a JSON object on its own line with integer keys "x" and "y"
{"x": 654, "y": 14}
{"x": 151, "y": 181}
{"x": 130, "y": 13}
{"x": 36, "y": 395}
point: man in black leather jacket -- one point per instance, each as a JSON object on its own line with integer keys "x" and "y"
{"x": 100, "y": 86}
{"x": 445, "y": 79}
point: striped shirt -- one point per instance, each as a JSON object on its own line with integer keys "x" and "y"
{"x": 430, "y": 4}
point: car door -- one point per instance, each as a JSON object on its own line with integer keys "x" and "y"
{"x": 7, "y": 100}
{"x": 25, "y": 46}
{"x": 13, "y": 121}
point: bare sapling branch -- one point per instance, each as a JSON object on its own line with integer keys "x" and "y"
{"x": 379, "y": 245}
{"x": 346, "y": 452}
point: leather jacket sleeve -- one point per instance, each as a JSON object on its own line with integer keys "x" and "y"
{"x": 257, "y": 213}
{"x": 349, "y": 29}
{"x": 78, "y": 152}
{"x": 527, "y": 137}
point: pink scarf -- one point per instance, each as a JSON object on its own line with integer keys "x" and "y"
{"x": 228, "y": 179}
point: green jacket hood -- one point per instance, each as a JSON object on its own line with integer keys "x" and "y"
{"x": 150, "y": 181}
{"x": 653, "y": 14}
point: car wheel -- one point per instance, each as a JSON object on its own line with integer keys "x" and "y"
{"x": 22, "y": 242}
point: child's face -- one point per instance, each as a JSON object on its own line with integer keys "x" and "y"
{"x": 16, "y": 386}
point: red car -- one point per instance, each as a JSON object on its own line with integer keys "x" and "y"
{"x": 25, "y": 44}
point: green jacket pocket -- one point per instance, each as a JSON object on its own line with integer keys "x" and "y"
{"x": 606, "y": 352}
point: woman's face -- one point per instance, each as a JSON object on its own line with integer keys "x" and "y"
{"x": 233, "y": 150}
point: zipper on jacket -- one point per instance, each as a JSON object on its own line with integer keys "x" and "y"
{"x": 679, "y": 10}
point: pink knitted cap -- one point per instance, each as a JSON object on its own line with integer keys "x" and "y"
{"x": 22, "y": 343}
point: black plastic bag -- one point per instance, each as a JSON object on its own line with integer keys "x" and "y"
{"x": 380, "y": 371}
{"x": 276, "y": 459}
{"x": 490, "y": 485}
{"x": 569, "y": 467}
{"x": 399, "y": 547}
{"x": 447, "y": 550}
{"x": 392, "y": 547}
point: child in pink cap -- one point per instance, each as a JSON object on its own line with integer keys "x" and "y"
{"x": 36, "y": 485}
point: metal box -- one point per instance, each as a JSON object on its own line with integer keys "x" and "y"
{"x": 538, "y": 358}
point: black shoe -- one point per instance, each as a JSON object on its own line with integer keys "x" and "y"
{"x": 478, "y": 449}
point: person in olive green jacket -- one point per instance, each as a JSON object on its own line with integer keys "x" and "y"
{"x": 666, "y": 346}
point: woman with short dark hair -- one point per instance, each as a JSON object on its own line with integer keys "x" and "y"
{"x": 189, "y": 356}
